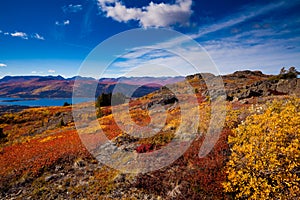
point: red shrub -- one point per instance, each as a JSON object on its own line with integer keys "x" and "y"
{"x": 207, "y": 174}
{"x": 35, "y": 155}
{"x": 144, "y": 148}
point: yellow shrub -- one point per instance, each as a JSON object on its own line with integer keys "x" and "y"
{"x": 265, "y": 159}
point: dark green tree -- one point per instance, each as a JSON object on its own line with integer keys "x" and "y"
{"x": 2, "y": 135}
{"x": 110, "y": 99}
{"x": 66, "y": 104}
{"x": 286, "y": 74}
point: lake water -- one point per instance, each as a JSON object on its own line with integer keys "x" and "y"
{"x": 42, "y": 102}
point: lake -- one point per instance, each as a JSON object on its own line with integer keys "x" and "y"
{"x": 42, "y": 101}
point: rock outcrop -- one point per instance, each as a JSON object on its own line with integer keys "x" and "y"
{"x": 266, "y": 88}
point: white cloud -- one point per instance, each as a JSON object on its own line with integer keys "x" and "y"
{"x": 173, "y": 60}
{"x": 64, "y": 23}
{"x": 38, "y": 36}
{"x": 24, "y": 35}
{"x": 243, "y": 16}
{"x": 3, "y": 65}
{"x": 229, "y": 54}
{"x": 51, "y": 71}
{"x": 20, "y": 34}
{"x": 72, "y": 8}
{"x": 153, "y": 15}
{"x": 251, "y": 49}
{"x": 37, "y": 72}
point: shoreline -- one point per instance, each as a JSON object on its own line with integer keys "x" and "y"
{"x": 14, "y": 108}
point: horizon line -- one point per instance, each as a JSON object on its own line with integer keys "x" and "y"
{"x": 70, "y": 77}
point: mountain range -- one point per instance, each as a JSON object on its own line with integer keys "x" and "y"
{"x": 60, "y": 87}
{"x": 240, "y": 84}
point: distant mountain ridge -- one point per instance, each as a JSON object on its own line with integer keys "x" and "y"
{"x": 238, "y": 85}
{"x": 60, "y": 87}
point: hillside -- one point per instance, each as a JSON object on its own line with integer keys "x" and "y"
{"x": 246, "y": 84}
{"x": 42, "y": 156}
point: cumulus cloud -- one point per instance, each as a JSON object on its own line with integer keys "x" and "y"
{"x": 72, "y": 8}
{"x": 51, "y": 71}
{"x": 38, "y": 36}
{"x": 153, "y": 15}
{"x": 243, "y": 16}
{"x": 3, "y": 65}
{"x": 64, "y": 23}
{"x": 20, "y": 34}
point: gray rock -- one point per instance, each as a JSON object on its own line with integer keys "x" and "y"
{"x": 266, "y": 88}
{"x": 50, "y": 177}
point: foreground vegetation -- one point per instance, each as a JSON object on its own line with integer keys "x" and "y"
{"x": 257, "y": 154}
{"x": 265, "y": 154}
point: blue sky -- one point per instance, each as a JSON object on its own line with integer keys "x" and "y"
{"x": 51, "y": 37}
